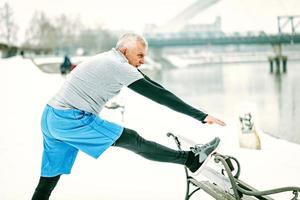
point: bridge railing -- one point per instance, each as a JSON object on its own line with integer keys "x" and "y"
{"x": 159, "y": 40}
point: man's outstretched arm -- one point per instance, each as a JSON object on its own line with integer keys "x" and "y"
{"x": 164, "y": 97}
{"x": 148, "y": 79}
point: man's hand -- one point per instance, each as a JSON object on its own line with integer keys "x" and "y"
{"x": 211, "y": 120}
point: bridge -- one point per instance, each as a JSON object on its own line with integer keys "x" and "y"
{"x": 179, "y": 22}
{"x": 159, "y": 40}
{"x": 178, "y": 31}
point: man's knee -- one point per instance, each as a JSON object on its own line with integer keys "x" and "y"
{"x": 129, "y": 137}
{"x": 131, "y": 133}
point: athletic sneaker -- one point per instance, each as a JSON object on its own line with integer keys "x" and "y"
{"x": 200, "y": 154}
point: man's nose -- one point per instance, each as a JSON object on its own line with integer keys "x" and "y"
{"x": 142, "y": 61}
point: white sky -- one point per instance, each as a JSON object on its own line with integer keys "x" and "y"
{"x": 237, "y": 15}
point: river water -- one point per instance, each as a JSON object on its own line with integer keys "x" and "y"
{"x": 228, "y": 90}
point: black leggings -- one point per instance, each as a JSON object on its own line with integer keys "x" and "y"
{"x": 45, "y": 187}
{"x": 132, "y": 141}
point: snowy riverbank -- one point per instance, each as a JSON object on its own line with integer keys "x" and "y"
{"x": 119, "y": 174}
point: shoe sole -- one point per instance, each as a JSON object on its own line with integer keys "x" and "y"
{"x": 205, "y": 161}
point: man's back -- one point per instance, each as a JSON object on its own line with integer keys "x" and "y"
{"x": 93, "y": 82}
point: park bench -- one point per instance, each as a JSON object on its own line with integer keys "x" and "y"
{"x": 225, "y": 183}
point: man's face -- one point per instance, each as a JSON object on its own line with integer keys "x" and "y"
{"x": 136, "y": 54}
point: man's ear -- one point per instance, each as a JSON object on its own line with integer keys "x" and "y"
{"x": 123, "y": 50}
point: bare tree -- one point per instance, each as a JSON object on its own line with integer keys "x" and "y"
{"x": 68, "y": 30}
{"x": 8, "y": 28}
{"x": 96, "y": 40}
{"x": 64, "y": 35}
{"x": 41, "y": 33}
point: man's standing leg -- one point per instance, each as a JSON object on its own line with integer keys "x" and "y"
{"x": 45, "y": 187}
{"x": 58, "y": 157}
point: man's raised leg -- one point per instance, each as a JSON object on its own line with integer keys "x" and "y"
{"x": 193, "y": 160}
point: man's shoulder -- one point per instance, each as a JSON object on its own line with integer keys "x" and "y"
{"x": 111, "y": 57}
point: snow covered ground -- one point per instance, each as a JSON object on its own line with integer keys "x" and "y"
{"x": 119, "y": 174}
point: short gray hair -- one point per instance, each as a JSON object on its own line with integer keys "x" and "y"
{"x": 129, "y": 39}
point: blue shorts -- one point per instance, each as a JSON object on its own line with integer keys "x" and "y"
{"x": 67, "y": 131}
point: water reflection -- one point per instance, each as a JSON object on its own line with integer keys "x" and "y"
{"x": 222, "y": 89}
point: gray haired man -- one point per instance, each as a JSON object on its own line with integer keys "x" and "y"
{"x": 71, "y": 122}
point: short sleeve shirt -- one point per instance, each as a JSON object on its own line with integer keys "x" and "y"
{"x": 93, "y": 82}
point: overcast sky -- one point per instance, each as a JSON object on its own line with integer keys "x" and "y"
{"x": 237, "y": 15}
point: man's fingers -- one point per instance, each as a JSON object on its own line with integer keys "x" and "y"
{"x": 220, "y": 122}
{"x": 217, "y": 121}
{"x": 212, "y": 120}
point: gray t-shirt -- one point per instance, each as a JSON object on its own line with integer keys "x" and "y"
{"x": 93, "y": 82}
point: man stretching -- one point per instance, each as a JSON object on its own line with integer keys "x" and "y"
{"x": 70, "y": 121}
